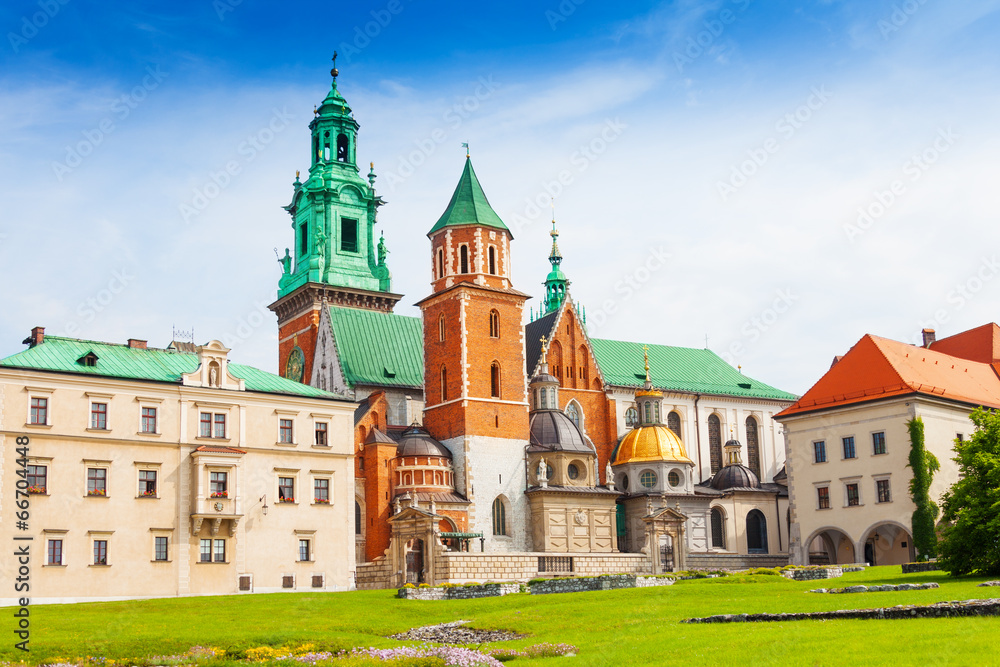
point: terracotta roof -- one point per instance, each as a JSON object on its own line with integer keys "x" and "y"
{"x": 981, "y": 344}
{"x": 877, "y": 368}
{"x": 216, "y": 449}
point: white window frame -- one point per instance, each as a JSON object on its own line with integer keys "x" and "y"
{"x": 96, "y": 464}
{"x": 54, "y": 534}
{"x": 884, "y": 477}
{"x": 105, "y": 399}
{"x": 168, "y": 534}
{"x": 94, "y": 536}
{"x": 296, "y": 486}
{"x": 322, "y": 474}
{"x": 39, "y": 392}
{"x": 147, "y": 466}
{"x": 856, "y": 481}
{"x": 147, "y": 403}
{"x": 824, "y": 484}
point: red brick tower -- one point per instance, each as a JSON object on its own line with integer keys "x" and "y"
{"x": 475, "y": 390}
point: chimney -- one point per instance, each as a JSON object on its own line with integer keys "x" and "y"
{"x": 929, "y": 337}
{"x": 136, "y": 344}
{"x": 37, "y": 336}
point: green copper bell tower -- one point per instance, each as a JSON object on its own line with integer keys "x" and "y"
{"x": 333, "y": 217}
{"x": 334, "y": 259}
{"x": 556, "y": 282}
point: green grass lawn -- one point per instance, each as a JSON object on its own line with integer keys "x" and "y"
{"x": 623, "y": 627}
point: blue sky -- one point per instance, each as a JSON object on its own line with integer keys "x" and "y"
{"x": 780, "y": 177}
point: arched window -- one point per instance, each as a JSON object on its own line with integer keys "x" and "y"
{"x": 493, "y": 260}
{"x": 495, "y": 380}
{"x": 494, "y": 324}
{"x": 543, "y": 404}
{"x": 753, "y": 447}
{"x": 326, "y": 146}
{"x": 648, "y": 413}
{"x": 357, "y": 518}
{"x": 499, "y": 517}
{"x": 441, "y": 327}
{"x": 715, "y": 442}
{"x": 440, "y": 263}
{"x": 444, "y": 384}
{"x": 375, "y": 419}
{"x": 463, "y": 255}
{"x": 656, "y": 412}
{"x": 573, "y": 413}
{"x": 631, "y": 418}
{"x": 756, "y": 532}
{"x": 718, "y": 529}
{"x": 674, "y": 423}
{"x": 342, "y": 155}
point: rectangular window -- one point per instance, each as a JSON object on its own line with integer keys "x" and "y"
{"x": 285, "y": 431}
{"x": 99, "y": 416}
{"x": 97, "y": 482}
{"x": 823, "y": 494}
{"x": 849, "y": 452}
{"x": 303, "y": 550}
{"x": 100, "y": 552}
{"x": 160, "y": 548}
{"x": 219, "y": 484}
{"x": 205, "y": 425}
{"x": 55, "y": 552}
{"x": 303, "y": 238}
{"x": 348, "y": 235}
{"x": 878, "y": 443}
{"x": 286, "y": 489}
{"x": 37, "y": 478}
{"x": 220, "y": 551}
{"x": 220, "y": 426}
{"x": 321, "y": 430}
{"x": 853, "y": 499}
{"x": 206, "y": 551}
{"x": 149, "y": 420}
{"x": 39, "y": 411}
{"x": 147, "y": 483}
{"x": 321, "y": 491}
{"x": 819, "y": 452}
{"x": 882, "y": 486}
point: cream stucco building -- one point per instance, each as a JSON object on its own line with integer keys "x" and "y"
{"x": 848, "y": 443}
{"x": 169, "y": 472}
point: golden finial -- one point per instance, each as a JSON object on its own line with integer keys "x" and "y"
{"x": 372, "y": 165}
{"x": 334, "y": 72}
{"x": 645, "y": 354}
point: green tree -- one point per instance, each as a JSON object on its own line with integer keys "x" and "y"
{"x": 924, "y": 465}
{"x": 970, "y": 542}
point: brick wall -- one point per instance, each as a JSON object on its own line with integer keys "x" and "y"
{"x": 300, "y": 330}
{"x": 369, "y": 576}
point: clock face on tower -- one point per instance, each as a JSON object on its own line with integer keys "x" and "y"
{"x": 295, "y": 364}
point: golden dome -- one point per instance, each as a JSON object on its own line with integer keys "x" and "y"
{"x": 651, "y": 443}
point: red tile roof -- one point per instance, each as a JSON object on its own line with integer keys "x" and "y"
{"x": 878, "y": 368}
{"x": 981, "y": 344}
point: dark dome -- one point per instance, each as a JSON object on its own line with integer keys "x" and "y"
{"x": 735, "y": 477}
{"x": 544, "y": 377}
{"x": 416, "y": 441}
{"x": 552, "y": 430}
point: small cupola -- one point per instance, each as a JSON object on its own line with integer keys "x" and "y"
{"x": 648, "y": 401}
{"x": 544, "y": 388}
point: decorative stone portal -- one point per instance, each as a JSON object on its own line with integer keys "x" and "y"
{"x": 665, "y": 541}
{"x": 411, "y": 548}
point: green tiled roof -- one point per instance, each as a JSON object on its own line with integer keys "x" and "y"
{"x": 120, "y": 361}
{"x": 468, "y": 205}
{"x": 678, "y": 369}
{"x": 379, "y": 348}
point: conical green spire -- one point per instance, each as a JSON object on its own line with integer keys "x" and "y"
{"x": 556, "y": 282}
{"x": 468, "y": 205}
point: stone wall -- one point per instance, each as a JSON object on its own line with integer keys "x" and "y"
{"x": 463, "y": 567}
{"x": 459, "y": 592}
{"x": 369, "y": 576}
{"x": 929, "y": 566}
{"x": 812, "y": 574}
{"x": 697, "y": 561}
{"x": 582, "y": 584}
{"x": 646, "y": 582}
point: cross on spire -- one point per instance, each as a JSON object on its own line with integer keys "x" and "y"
{"x": 334, "y": 72}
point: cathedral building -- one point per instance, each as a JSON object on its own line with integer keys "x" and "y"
{"x": 477, "y": 434}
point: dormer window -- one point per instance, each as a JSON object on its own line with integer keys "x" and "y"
{"x": 89, "y": 360}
